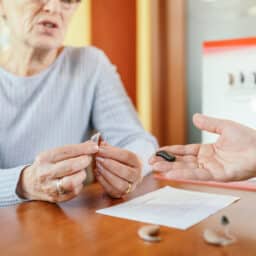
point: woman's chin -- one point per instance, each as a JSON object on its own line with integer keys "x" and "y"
{"x": 46, "y": 44}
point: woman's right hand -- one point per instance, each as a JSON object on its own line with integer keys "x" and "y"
{"x": 231, "y": 158}
{"x": 57, "y": 175}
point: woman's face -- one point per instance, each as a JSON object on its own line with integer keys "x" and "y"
{"x": 38, "y": 23}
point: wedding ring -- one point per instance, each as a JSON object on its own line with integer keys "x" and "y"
{"x": 129, "y": 189}
{"x": 59, "y": 187}
{"x": 200, "y": 166}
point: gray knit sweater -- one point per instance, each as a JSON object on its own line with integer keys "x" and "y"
{"x": 80, "y": 92}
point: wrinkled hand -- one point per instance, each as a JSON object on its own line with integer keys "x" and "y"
{"x": 231, "y": 158}
{"x": 117, "y": 170}
{"x": 68, "y": 163}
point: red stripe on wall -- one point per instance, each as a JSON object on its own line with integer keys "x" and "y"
{"x": 114, "y": 31}
{"x": 241, "y": 42}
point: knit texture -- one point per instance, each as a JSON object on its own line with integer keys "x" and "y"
{"x": 79, "y": 93}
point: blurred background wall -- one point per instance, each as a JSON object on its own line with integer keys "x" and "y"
{"x": 209, "y": 20}
{"x": 79, "y": 33}
{"x": 137, "y": 35}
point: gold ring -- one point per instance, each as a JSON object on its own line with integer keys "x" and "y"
{"x": 59, "y": 187}
{"x": 200, "y": 165}
{"x": 129, "y": 189}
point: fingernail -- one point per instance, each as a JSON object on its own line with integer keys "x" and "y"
{"x": 100, "y": 159}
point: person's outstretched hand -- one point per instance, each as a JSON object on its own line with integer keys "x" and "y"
{"x": 231, "y": 158}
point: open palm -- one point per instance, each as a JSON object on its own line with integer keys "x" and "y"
{"x": 232, "y": 157}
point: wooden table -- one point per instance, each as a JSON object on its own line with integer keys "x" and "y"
{"x": 73, "y": 228}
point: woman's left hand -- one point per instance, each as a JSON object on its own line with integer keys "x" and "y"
{"x": 117, "y": 170}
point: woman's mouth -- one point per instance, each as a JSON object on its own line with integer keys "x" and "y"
{"x": 48, "y": 27}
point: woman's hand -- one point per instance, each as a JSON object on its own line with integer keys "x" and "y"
{"x": 117, "y": 170}
{"x": 231, "y": 158}
{"x": 57, "y": 175}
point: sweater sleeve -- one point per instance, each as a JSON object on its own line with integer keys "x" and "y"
{"x": 9, "y": 179}
{"x": 115, "y": 117}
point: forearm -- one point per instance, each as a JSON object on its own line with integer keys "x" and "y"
{"x": 9, "y": 179}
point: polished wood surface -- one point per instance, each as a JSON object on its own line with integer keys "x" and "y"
{"x": 73, "y": 228}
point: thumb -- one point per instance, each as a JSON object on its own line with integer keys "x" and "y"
{"x": 209, "y": 124}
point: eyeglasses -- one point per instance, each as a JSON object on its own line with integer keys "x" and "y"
{"x": 67, "y": 1}
{"x": 67, "y": 4}
{"x": 70, "y": 1}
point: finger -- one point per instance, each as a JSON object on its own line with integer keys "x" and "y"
{"x": 78, "y": 190}
{"x": 121, "y": 155}
{"x": 186, "y": 159}
{"x": 71, "y": 183}
{"x": 191, "y": 149}
{"x": 210, "y": 170}
{"x": 123, "y": 171}
{"x": 70, "y": 195}
{"x": 68, "y": 151}
{"x": 209, "y": 124}
{"x": 70, "y": 166}
{"x": 155, "y": 159}
{"x": 50, "y": 193}
{"x": 117, "y": 183}
{"x": 167, "y": 166}
{"x": 107, "y": 187}
{"x": 189, "y": 174}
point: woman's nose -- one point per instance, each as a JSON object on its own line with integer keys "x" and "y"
{"x": 53, "y": 6}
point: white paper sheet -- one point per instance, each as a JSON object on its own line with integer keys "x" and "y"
{"x": 171, "y": 207}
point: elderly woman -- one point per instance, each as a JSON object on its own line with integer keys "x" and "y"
{"x": 51, "y": 98}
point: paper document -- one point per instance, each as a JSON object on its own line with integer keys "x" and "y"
{"x": 171, "y": 207}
